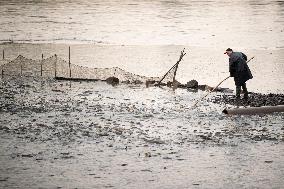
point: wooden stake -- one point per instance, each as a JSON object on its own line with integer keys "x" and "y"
{"x": 41, "y": 64}
{"x": 55, "y": 65}
{"x": 176, "y": 64}
{"x": 69, "y": 63}
{"x": 21, "y": 69}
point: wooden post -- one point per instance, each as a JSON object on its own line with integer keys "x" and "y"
{"x": 69, "y": 63}
{"x": 2, "y": 72}
{"x": 55, "y": 65}
{"x": 3, "y": 54}
{"x": 182, "y": 54}
{"x": 175, "y": 84}
{"x": 41, "y": 65}
{"x": 21, "y": 69}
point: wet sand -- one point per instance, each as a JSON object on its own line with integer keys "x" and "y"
{"x": 57, "y": 134}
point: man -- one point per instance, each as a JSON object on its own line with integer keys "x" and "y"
{"x": 239, "y": 70}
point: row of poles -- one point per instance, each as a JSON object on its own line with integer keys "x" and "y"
{"x": 41, "y": 70}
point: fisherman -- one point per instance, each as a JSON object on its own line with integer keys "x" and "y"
{"x": 239, "y": 69}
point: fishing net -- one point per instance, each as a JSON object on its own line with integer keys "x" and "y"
{"x": 55, "y": 67}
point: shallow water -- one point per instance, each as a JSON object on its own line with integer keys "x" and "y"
{"x": 94, "y": 135}
{"x": 237, "y": 24}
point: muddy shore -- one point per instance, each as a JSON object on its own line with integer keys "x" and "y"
{"x": 57, "y": 134}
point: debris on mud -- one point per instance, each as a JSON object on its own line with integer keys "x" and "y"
{"x": 254, "y": 100}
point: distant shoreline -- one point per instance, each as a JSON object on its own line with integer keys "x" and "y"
{"x": 103, "y": 43}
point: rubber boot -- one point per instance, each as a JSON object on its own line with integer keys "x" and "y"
{"x": 238, "y": 92}
{"x": 245, "y": 91}
{"x": 238, "y": 95}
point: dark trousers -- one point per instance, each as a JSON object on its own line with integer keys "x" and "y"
{"x": 238, "y": 90}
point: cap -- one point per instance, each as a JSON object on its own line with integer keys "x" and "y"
{"x": 228, "y": 49}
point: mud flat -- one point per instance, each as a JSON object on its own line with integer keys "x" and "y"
{"x": 61, "y": 134}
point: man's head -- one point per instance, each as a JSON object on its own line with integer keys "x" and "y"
{"x": 229, "y": 51}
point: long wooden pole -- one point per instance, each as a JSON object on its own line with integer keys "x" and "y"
{"x": 3, "y": 54}
{"x": 216, "y": 86}
{"x": 254, "y": 110}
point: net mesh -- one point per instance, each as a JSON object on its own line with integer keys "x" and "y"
{"x": 55, "y": 66}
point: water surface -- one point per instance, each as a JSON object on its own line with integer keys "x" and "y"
{"x": 241, "y": 24}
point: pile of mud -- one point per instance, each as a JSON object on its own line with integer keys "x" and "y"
{"x": 254, "y": 100}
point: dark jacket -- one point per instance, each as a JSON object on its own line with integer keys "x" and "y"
{"x": 238, "y": 68}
